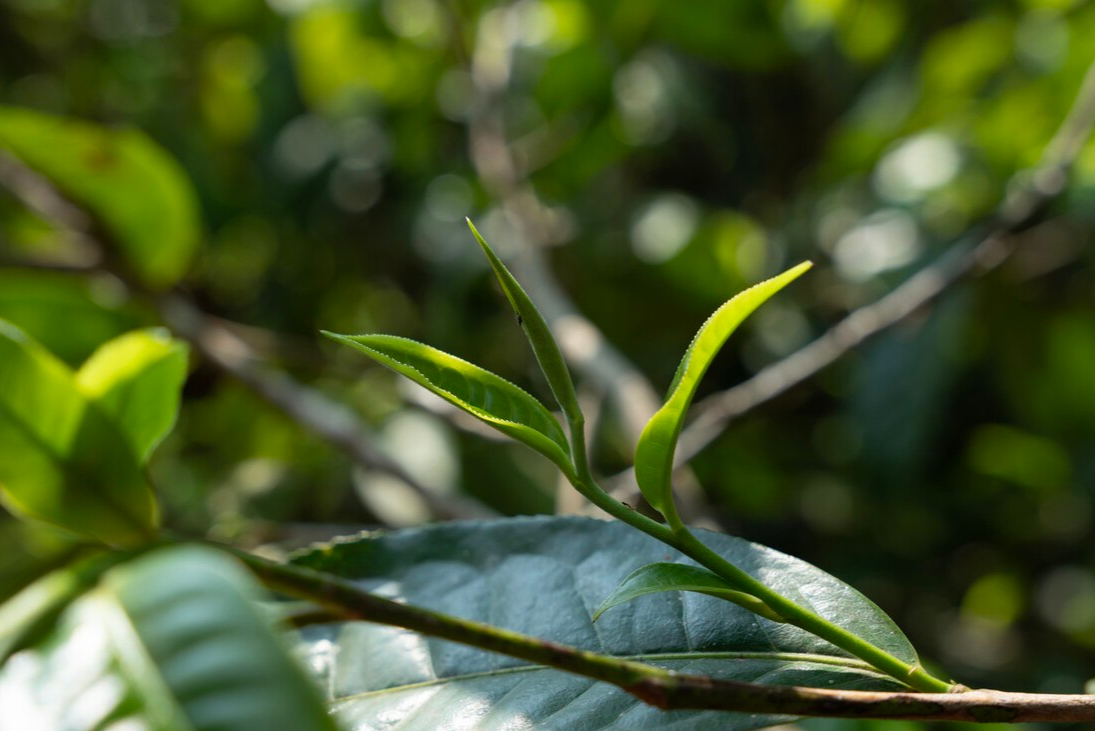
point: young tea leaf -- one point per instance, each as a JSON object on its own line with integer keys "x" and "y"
{"x": 62, "y": 459}
{"x": 495, "y": 400}
{"x": 654, "y": 453}
{"x": 137, "y": 379}
{"x": 658, "y": 577}
{"x": 538, "y": 333}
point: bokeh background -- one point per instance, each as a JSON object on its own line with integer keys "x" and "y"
{"x": 643, "y": 160}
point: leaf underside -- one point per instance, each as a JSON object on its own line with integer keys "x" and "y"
{"x": 545, "y": 577}
{"x": 481, "y": 393}
{"x": 172, "y": 642}
{"x": 654, "y": 452}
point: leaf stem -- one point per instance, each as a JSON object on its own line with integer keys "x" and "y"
{"x": 677, "y": 535}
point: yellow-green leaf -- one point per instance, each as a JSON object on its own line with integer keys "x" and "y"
{"x": 137, "y": 379}
{"x": 62, "y": 459}
{"x": 481, "y": 393}
{"x": 654, "y": 453}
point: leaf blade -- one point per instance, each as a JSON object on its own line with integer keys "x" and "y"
{"x": 538, "y": 332}
{"x": 172, "y": 641}
{"x": 657, "y": 444}
{"x": 481, "y": 393}
{"x": 658, "y": 577}
{"x": 62, "y": 460}
{"x": 139, "y": 192}
{"x": 544, "y": 577}
{"x": 137, "y": 379}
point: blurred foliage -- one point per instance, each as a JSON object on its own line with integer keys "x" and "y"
{"x": 684, "y": 150}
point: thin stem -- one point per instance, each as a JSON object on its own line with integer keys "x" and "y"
{"x": 678, "y": 536}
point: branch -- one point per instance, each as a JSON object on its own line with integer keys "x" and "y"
{"x": 331, "y": 421}
{"x": 1033, "y": 191}
{"x": 228, "y": 352}
{"x": 340, "y": 599}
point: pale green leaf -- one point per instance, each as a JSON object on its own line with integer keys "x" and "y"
{"x": 658, "y": 577}
{"x": 62, "y": 459}
{"x": 545, "y": 576}
{"x": 481, "y": 393}
{"x": 137, "y": 379}
{"x": 538, "y": 333}
{"x": 170, "y": 642}
{"x": 654, "y": 453}
{"x": 135, "y": 188}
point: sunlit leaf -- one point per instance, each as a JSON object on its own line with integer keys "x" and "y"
{"x": 544, "y": 577}
{"x": 654, "y": 453}
{"x": 536, "y": 329}
{"x": 62, "y": 459}
{"x": 171, "y": 642}
{"x": 495, "y": 400}
{"x": 658, "y": 577}
{"x": 129, "y": 183}
{"x": 137, "y": 379}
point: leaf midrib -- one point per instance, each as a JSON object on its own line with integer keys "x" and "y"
{"x": 789, "y": 657}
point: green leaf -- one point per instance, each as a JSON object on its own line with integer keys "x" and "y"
{"x": 654, "y": 453}
{"x": 137, "y": 191}
{"x": 545, "y": 577}
{"x": 137, "y": 379}
{"x": 62, "y": 459}
{"x": 34, "y": 609}
{"x": 658, "y": 577}
{"x": 495, "y": 400}
{"x": 538, "y": 333}
{"x": 170, "y": 642}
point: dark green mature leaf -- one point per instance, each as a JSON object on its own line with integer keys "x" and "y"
{"x": 138, "y": 191}
{"x": 62, "y": 459}
{"x": 539, "y": 334}
{"x": 545, "y": 577}
{"x": 171, "y": 642}
{"x": 495, "y": 400}
{"x": 137, "y": 379}
{"x": 658, "y": 577}
{"x": 654, "y": 453}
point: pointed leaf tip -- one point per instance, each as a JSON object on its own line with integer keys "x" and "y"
{"x": 654, "y": 453}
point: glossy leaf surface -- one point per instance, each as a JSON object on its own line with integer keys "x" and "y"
{"x": 137, "y": 379}
{"x": 658, "y": 577}
{"x": 546, "y": 577}
{"x": 62, "y": 458}
{"x": 139, "y": 192}
{"x": 495, "y": 400}
{"x": 537, "y": 331}
{"x": 171, "y": 642}
{"x": 654, "y": 453}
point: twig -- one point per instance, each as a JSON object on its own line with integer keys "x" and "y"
{"x": 230, "y": 353}
{"x": 663, "y": 688}
{"x": 328, "y": 419}
{"x": 1032, "y": 191}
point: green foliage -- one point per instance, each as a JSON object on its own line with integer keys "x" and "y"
{"x": 63, "y": 460}
{"x": 139, "y": 193}
{"x": 482, "y": 394}
{"x": 545, "y": 577}
{"x": 137, "y": 380}
{"x": 172, "y": 641}
{"x": 654, "y": 453}
{"x": 659, "y": 577}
